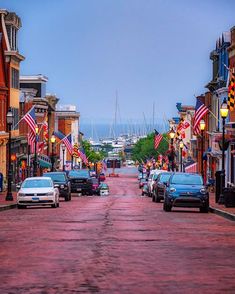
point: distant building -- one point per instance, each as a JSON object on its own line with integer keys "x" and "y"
{"x": 67, "y": 122}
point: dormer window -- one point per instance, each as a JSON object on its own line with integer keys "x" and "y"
{"x": 12, "y": 36}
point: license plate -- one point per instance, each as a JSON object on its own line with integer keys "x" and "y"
{"x": 79, "y": 189}
{"x": 35, "y": 199}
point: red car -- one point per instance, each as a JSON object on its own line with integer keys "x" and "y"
{"x": 95, "y": 185}
{"x": 102, "y": 177}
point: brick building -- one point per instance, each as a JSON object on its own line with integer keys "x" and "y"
{"x": 10, "y": 59}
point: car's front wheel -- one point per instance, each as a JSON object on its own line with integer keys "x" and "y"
{"x": 21, "y": 206}
{"x": 204, "y": 209}
{"x": 167, "y": 207}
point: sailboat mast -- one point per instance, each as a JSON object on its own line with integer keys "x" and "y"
{"x": 115, "y": 118}
{"x": 153, "y": 114}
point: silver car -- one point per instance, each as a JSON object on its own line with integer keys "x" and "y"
{"x": 38, "y": 191}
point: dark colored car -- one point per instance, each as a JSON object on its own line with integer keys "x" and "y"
{"x": 95, "y": 185}
{"x": 63, "y": 182}
{"x": 186, "y": 190}
{"x": 159, "y": 186}
{"x": 80, "y": 181}
{"x": 142, "y": 182}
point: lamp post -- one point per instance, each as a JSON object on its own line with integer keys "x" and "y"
{"x": 223, "y": 114}
{"x": 172, "y": 135}
{"x": 35, "y": 151}
{"x": 63, "y": 150}
{"x": 9, "y": 196}
{"x": 181, "y": 148}
{"x": 52, "y": 152}
{"x": 79, "y": 162}
{"x": 202, "y": 128}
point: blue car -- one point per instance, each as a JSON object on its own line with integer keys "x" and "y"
{"x": 186, "y": 190}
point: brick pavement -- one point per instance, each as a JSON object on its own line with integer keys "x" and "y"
{"x": 227, "y": 212}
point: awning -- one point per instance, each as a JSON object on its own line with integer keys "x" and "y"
{"x": 44, "y": 163}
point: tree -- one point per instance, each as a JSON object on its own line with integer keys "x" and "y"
{"x": 144, "y": 148}
{"x": 91, "y": 154}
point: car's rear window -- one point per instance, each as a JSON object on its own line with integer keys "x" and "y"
{"x": 37, "y": 183}
{"x": 56, "y": 177}
{"x": 186, "y": 179}
{"x": 78, "y": 174}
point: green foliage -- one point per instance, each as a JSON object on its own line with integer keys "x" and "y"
{"x": 144, "y": 148}
{"x": 91, "y": 154}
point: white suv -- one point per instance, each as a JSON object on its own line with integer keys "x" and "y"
{"x": 152, "y": 177}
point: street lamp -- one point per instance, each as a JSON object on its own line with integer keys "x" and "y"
{"x": 172, "y": 135}
{"x": 63, "y": 150}
{"x": 9, "y": 196}
{"x": 202, "y": 128}
{"x": 223, "y": 114}
{"x": 181, "y": 148}
{"x": 35, "y": 151}
{"x": 79, "y": 162}
{"x": 52, "y": 153}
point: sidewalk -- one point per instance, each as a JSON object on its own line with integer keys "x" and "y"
{"x": 4, "y": 205}
{"x": 220, "y": 209}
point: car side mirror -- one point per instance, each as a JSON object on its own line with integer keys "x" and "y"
{"x": 167, "y": 184}
{"x": 18, "y": 186}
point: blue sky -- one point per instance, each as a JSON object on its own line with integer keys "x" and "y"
{"x": 149, "y": 51}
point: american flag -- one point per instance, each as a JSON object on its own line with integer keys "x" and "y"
{"x": 66, "y": 140}
{"x": 157, "y": 139}
{"x": 83, "y": 156}
{"x": 30, "y": 119}
{"x": 200, "y": 111}
{"x": 31, "y": 140}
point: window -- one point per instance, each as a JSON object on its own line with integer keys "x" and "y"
{"x": 15, "y": 112}
{"x": 14, "y": 78}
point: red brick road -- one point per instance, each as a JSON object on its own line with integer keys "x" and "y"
{"x": 123, "y": 243}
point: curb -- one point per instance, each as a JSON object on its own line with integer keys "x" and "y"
{"x": 222, "y": 213}
{"x": 6, "y": 207}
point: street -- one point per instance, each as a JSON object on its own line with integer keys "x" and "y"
{"x": 121, "y": 243}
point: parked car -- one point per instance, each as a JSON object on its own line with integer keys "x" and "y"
{"x": 142, "y": 176}
{"x": 152, "y": 177}
{"x": 95, "y": 186}
{"x": 38, "y": 191}
{"x": 142, "y": 182}
{"x": 62, "y": 180}
{"x": 80, "y": 181}
{"x": 103, "y": 189}
{"x": 102, "y": 177}
{"x": 186, "y": 190}
{"x": 159, "y": 186}
{"x": 144, "y": 189}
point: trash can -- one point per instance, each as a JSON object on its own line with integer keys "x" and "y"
{"x": 218, "y": 187}
{"x": 1, "y": 182}
{"x": 229, "y": 197}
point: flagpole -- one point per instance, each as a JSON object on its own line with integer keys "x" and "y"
{"x": 22, "y": 118}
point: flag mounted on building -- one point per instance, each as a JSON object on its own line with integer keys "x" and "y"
{"x": 66, "y": 140}
{"x": 231, "y": 89}
{"x": 83, "y": 156}
{"x": 30, "y": 119}
{"x": 157, "y": 139}
{"x": 200, "y": 111}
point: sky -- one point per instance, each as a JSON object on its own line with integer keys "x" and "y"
{"x": 150, "y": 54}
